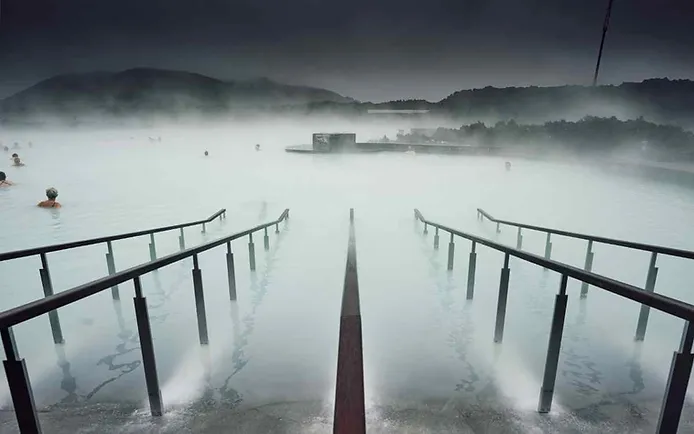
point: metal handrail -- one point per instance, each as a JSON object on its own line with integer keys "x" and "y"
{"x": 15, "y": 367}
{"x": 681, "y": 366}
{"x": 74, "y": 244}
{"x": 663, "y": 303}
{"x": 670, "y": 251}
{"x": 651, "y": 274}
{"x": 350, "y": 409}
{"x": 33, "y": 309}
{"x": 45, "y": 274}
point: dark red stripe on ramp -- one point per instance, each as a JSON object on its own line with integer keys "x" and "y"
{"x": 350, "y": 411}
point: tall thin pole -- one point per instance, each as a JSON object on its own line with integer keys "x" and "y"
{"x": 605, "y": 26}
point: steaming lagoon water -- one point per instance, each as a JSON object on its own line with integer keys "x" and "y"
{"x": 429, "y": 356}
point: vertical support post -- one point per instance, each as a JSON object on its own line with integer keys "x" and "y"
{"x": 152, "y": 247}
{"x": 47, "y": 284}
{"x": 351, "y": 215}
{"x": 498, "y": 228}
{"x": 588, "y": 267}
{"x": 553, "y": 349}
{"x": 451, "y": 249}
{"x": 182, "y": 240}
{"x": 200, "y": 302}
{"x": 204, "y": 228}
{"x": 147, "y": 348}
{"x": 277, "y": 228}
{"x": 426, "y": 228}
{"x": 678, "y": 380}
{"x": 111, "y": 266}
{"x": 266, "y": 241}
{"x": 471, "y": 273}
{"x": 436, "y": 238}
{"x": 519, "y": 240}
{"x": 231, "y": 273}
{"x": 20, "y": 386}
{"x": 251, "y": 252}
{"x": 501, "y": 305}
{"x": 645, "y": 310}
{"x": 548, "y": 246}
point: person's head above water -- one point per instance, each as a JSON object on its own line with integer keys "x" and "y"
{"x": 207, "y": 153}
{"x": 15, "y": 155}
{"x": 3, "y": 176}
{"x": 51, "y": 193}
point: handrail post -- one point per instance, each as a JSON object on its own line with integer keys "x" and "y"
{"x": 548, "y": 246}
{"x": 426, "y": 230}
{"x": 678, "y": 380}
{"x": 519, "y": 239}
{"x": 147, "y": 348}
{"x": 251, "y": 252}
{"x": 498, "y": 228}
{"x": 471, "y": 273}
{"x": 231, "y": 273}
{"x": 152, "y": 247}
{"x": 200, "y": 302}
{"x": 182, "y": 240}
{"x": 436, "y": 238}
{"x": 204, "y": 229}
{"x": 266, "y": 240}
{"x": 47, "y": 284}
{"x": 501, "y": 305}
{"x": 645, "y": 310}
{"x": 111, "y": 266}
{"x": 277, "y": 228}
{"x": 588, "y": 267}
{"x": 20, "y": 386}
{"x": 451, "y": 252}
{"x": 553, "y": 348}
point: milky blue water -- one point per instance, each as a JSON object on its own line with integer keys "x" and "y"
{"x": 426, "y": 349}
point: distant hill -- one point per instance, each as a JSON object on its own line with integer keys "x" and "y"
{"x": 147, "y": 93}
{"x": 659, "y": 100}
{"x": 154, "y": 91}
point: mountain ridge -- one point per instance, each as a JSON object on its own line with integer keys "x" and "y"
{"x": 153, "y": 92}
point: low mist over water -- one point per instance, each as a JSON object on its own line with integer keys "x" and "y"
{"x": 429, "y": 355}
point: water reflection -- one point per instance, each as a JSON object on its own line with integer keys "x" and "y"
{"x": 461, "y": 335}
{"x": 258, "y": 288}
{"x": 68, "y": 382}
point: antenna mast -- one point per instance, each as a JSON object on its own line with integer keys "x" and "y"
{"x": 605, "y": 26}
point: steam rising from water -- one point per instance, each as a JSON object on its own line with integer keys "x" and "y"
{"x": 429, "y": 356}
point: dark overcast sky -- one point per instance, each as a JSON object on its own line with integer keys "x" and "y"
{"x": 368, "y": 49}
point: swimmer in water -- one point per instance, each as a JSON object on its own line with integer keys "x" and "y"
{"x": 3, "y": 180}
{"x": 257, "y": 147}
{"x": 51, "y": 194}
{"x": 18, "y": 162}
{"x": 14, "y": 156}
{"x": 206, "y": 153}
